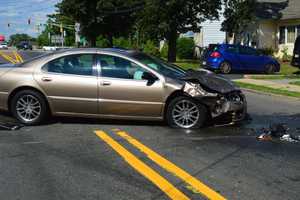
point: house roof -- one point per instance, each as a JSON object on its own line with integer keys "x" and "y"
{"x": 278, "y": 9}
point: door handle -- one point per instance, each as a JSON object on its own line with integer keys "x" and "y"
{"x": 106, "y": 83}
{"x": 46, "y": 79}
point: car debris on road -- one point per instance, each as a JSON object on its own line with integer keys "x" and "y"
{"x": 10, "y": 126}
{"x": 278, "y": 131}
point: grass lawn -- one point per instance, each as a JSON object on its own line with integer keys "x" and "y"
{"x": 268, "y": 89}
{"x": 287, "y": 69}
{"x": 287, "y": 72}
{"x": 188, "y": 64}
{"x": 295, "y": 83}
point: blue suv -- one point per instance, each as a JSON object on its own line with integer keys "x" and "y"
{"x": 227, "y": 58}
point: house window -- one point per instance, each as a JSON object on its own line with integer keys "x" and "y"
{"x": 288, "y": 34}
{"x": 291, "y": 34}
{"x": 282, "y": 35}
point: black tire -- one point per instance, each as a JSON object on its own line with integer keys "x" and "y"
{"x": 43, "y": 108}
{"x": 170, "y": 110}
{"x": 225, "y": 68}
{"x": 270, "y": 69}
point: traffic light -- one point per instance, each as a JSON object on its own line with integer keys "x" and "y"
{"x": 8, "y": 25}
{"x": 29, "y": 21}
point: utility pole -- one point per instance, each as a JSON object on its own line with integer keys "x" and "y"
{"x": 77, "y": 37}
{"x": 62, "y": 34}
{"x": 49, "y": 38}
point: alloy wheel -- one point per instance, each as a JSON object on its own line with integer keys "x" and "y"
{"x": 28, "y": 108}
{"x": 185, "y": 114}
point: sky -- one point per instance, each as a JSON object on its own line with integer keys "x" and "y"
{"x": 17, "y": 13}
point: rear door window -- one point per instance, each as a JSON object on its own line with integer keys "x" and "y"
{"x": 81, "y": 64}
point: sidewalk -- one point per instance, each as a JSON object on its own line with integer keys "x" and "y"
{"x": 270, "y": 84}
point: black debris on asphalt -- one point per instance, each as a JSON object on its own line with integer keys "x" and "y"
{"x": 10, "y": 126}
{"x": 279, "y": 132}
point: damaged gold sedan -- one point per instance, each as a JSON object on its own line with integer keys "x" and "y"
{"x": 116, "y": 84}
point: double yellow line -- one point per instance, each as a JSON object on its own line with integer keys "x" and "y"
{"x": 169, "y": 189}
{"x": 17, "y": 58}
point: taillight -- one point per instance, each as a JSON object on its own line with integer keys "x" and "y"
{"x": 215, "y": 54}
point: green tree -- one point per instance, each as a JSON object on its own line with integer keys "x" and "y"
{"x": 42, "y": 39}
{"x": 239, "y": 15}
{"x": 151, "y": 48}
{"x": 168, "y": 18}
{"x": 17, "y": 38}
{"x": 110, "y": 18}
{"x": 185, "y": 48}
{"x": 52, "y": 27}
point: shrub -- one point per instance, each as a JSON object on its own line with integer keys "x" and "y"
{"x": 102, "y": 42}
{"x": 285, "y": 55}
{"x": 151, "y": 48}
{"x": 185, "y": 48}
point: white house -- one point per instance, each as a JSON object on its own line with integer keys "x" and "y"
{"x": 277, "y": 27}
{"x": 210, "y": 33}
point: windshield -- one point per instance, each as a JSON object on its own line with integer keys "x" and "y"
{"x": 159, "y": 65}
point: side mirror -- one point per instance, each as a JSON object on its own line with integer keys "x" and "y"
{"x": 149, "y": 77}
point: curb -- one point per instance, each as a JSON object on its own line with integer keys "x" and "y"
{"x": 269, "y": 94}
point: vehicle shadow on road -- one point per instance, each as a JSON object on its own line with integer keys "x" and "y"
{"x": 244, "y": 128}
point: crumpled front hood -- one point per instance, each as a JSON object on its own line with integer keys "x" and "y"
{"x": 210, "y": 81}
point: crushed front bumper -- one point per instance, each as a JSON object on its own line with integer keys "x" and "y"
{"x": 230, "y": 108}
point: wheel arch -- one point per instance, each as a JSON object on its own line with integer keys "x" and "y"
{"x": 21, "y": 88}
{"x": 273, "y": 62}
{"x": 179, "y": 93}
{"x": 173, "y": 95}
{"x": 225, "y": 60}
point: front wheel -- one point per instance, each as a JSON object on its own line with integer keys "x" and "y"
{"x": 270, "y": 69}
{"x": 29, "y": 107}
{"x": 186, "y": 113}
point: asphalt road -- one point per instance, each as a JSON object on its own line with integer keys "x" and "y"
{"x": 65, "y": 159}
{"x": 25, "y": 54}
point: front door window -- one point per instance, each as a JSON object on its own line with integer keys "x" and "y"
{"x": 116, "y": 67}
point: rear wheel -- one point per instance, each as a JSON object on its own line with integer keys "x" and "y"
{"x": 186, "y": 113}
{"x": 270, "y": 69}
{"x": 29, "y": 107}
{"x": 225, "y": 68}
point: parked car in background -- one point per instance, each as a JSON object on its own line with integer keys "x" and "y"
{"x": 3, "y": 45}
{"x": 24, "y": 45}
{"x": 49, "y": 48}
{"x": 296, "y": 54}
{"x": 133, "y": 85}
{"x": 226, "y": 58}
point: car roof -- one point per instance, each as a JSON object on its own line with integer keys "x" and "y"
{"x": 125, "y": 52}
